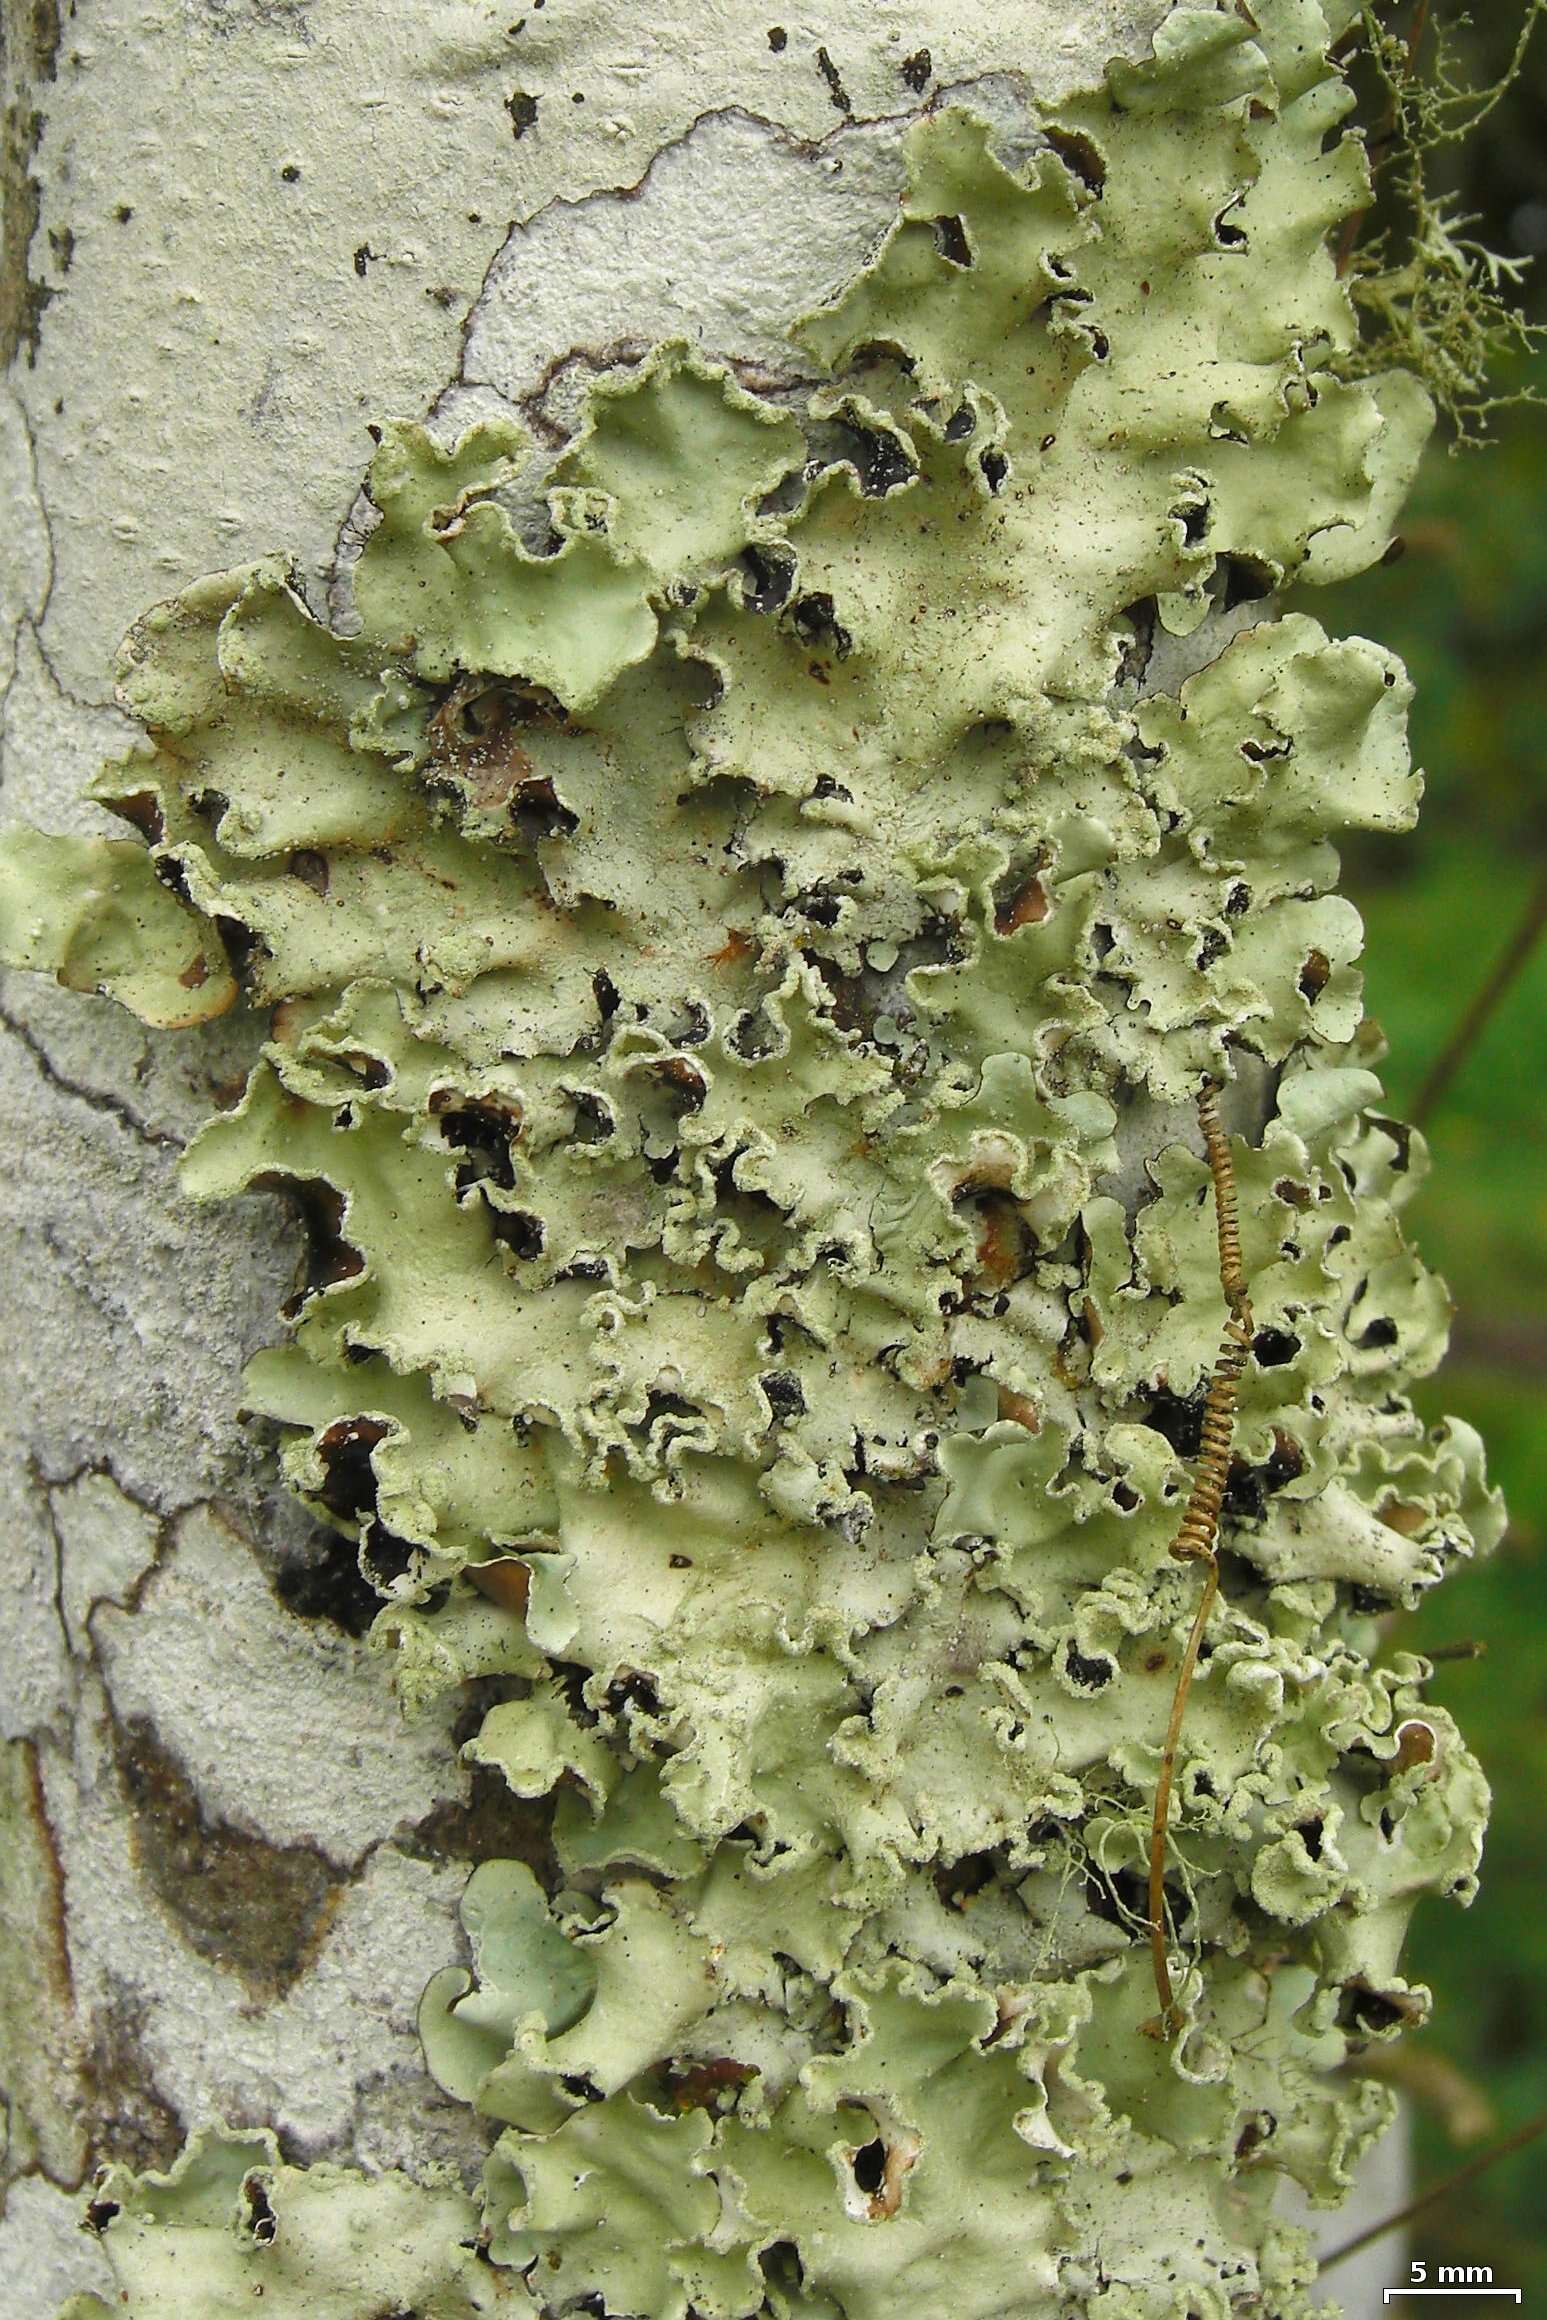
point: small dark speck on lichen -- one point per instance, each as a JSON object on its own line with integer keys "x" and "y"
{"x": 290, "y": 173}
{"x": 838, "y": 95}
{"x": 522, "y": 109}
{"x": 917, "y": 69}
{"x": 778, "y": 38}
{"x": 362, "y": 258}
{"x": 123, "y": 213}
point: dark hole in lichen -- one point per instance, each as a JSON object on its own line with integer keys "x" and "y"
{"x": 1238, "y": 899}
{"x": 681, "y": 1083}
{"x": 1213, "y": 946}
{"x": 1117, "y": 1896}
{"x": 540, "y": 814}
{"x": 1193, "y": 516}
{"x": 349, "y": 1479}
{"x": 1401, "y": 1136}
{"x": 957, "y": 1881}
{"x": 819, "y": 906}
{"x": 1179, "y": 1422}
{"x": 767, "y": 576}
{"x": 960, "y": 424}
{"x": 100, "y": 2213}
{"x": 330, "y": 1259}
{"x": 633, "y": 1689}
{"x": 583, "y": 1269}
{"x": 815, "y": 621}
{"x": 995, "y": 468}
{"x": 1020, "y": 899}
{"x": 783, "y": 1391}
{"x": 1004, "y": 1246}
{"x": 1379, "y": 1332}
{"x": 752, "y": 1035}
{"x": 519, "y": 1230}
{"x": 1371, "y": 2012}
{"x": 594, "y": 1121}
{"x": 483, "y": 1129}
{"x": 261, "y": 2219}
{"x": 1227, "y": 235}
{"x": 1080, "y": 156}
{"x": 1314, "y": 976}
{"x": 385, "y": 1558}
{"x": 1245, "y": 581}
{"x": 242, "y": 943}
{"x": 1273, "y": 1347}
{"x": 172, "y": 875}
{"x": 142, "y": 811}
{"x": 917, "y": 69}
{"x": 1090, "y": 1675}
{"x": 1140, "y": 619}
{"x": 1250, "y": 1487}
{"x": 870, "y": 2166}
{"x": 522, "y": 109}
{"x": 605, "y": 991}
{"x": 951, "y": 241}
{"x": 310, "y": 867}
{"x": 711, "y": 2084}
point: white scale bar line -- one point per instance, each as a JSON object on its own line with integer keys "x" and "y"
{"x": 1388, "y": 2293}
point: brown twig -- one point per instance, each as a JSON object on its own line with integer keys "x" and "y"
{"x": 1456, "y": 1049}
{"x": 1199, "y": 1530}
{"x": 1474, "y": 2167}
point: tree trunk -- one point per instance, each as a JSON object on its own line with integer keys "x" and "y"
{"x": 242, "y": 234}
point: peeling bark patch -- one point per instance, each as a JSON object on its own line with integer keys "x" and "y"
{"x": 29, "y": 46}
{"x": 257, "y": 1909}
{"x": 131, "y": 2122}
{"x": 37, "y": 2001}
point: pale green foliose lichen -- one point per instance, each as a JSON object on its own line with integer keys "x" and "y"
{"x": 739, "y": 982}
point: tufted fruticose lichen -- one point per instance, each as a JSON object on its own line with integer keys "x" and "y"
{"x": 741, "y": 971}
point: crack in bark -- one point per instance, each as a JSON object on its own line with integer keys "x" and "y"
{"x": 99, "y": 1100}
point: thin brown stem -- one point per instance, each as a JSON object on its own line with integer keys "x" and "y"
{"x": 1473, "y": 2168}
{"x": 1199, "y": 1528}
{"x": 1512, "y": 960}
{"x": 1158, "y": 1826}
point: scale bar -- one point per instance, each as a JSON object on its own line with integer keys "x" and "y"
{"x": 1388, "y": 2293}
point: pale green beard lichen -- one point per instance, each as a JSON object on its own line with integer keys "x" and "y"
{"x": 739, "y": 983}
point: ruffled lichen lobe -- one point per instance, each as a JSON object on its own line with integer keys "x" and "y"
{"x": 741, "y": 970}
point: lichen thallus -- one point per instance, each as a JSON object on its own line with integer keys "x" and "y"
{"x": 1196, "y": 1537}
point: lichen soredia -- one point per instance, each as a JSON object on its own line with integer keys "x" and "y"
{"x": 740, "y": 979}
